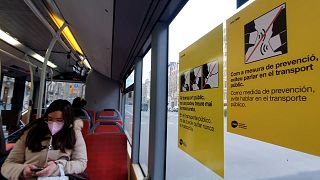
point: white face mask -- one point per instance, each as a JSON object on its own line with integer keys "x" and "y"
{"x": 55, "y": 127}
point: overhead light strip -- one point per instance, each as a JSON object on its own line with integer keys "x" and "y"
{"x": 41, "y": 59}
{"x": 86, "y": 63}
{"x": 58, "y": 19}
{"x": 66, "y": 33}
{"x": 8, "y": 39}
{"x": 14, "y": 42}
{"x": 70, "y": 38}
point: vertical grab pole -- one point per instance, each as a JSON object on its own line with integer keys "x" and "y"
{"x": 0, "y": 72}
{"x": 1, "y": 80}
{"x": 82, "y": 90}
{"x": 31, "y": 91}
{"x": 44, "y": 67}
{"x": 46, "y": 94}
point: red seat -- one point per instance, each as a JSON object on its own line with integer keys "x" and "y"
{"x": 86, "y": 127}
{"x": 107, "y": 127}
{"x": 92, "y": 115}
{"x": 109, "y": 115}
{"x": 117, "y": 121}
{"x": 107, "y": 156}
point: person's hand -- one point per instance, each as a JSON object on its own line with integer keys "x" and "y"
{"x": 48, "y": 170}
{"x": 27, "y": 172}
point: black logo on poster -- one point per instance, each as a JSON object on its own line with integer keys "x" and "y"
{"x": 234, "y": 124}
{"x": 181, "y": 142}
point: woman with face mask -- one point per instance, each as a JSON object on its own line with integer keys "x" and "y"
{"x": 54, "y": 139}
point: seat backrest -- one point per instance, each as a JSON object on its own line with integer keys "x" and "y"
{"x": 11, "y": 119}
{"x": 86, "y": 114}
{"x": 4, "y": 146}
{"x": 85, "y": 117}
{"x": 107, "y": 127}
{"x": 86, "y": 127}
{"x": 109, "y": 115}
{"x": 92, "y": 115}
{"x": 107, "y": 156}
{"x": 117, "y": 121}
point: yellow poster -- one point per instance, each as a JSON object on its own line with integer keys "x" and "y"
{"x": 201, "y": 101}
{"x": 273, "y": 73}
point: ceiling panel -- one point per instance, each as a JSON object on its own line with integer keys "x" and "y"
{"x": 151, "y": 17}
{"x": 7, "y": 60}
{"x": 13, "y": 67}
{"x": 91, "y": 22}
{"x": 133, "y": 23}
{"x": 111, "y": 35}
{"x": 129, "y": 17}
{"x": 19, "y": 21}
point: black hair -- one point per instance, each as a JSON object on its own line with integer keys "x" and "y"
{"x": 79, "y": 102}
{"x": 78, "y": 107}
{"x": 64, "y": 139}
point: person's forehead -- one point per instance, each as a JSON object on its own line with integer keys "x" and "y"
{"x": 55, "y": 114}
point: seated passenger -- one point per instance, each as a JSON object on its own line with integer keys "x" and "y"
{"x": 54, "y": 139}
{"x": 78, "y": 107}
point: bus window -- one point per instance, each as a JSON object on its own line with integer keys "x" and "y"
{"x": 26, "y": 96}
{"x": 130, "y": 79}
{"x": 7, "y": 92}
{"x": 145, "y": 112}
{"x": 63, "y": 90}
{"x": 195, "y": 19}
{"x": 128, "y": 116}
{"x": 244, "y": 158}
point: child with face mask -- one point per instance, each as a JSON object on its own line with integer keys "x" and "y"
{"x": 54, "y": 139}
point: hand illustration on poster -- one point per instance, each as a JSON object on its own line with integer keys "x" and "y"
{"x": 195, "y": 79}
{"x": 184, "y": 82}
{"x": 266, "y": 36}
{"x": 210, "y": 75}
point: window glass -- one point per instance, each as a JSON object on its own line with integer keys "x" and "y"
{"x": 130, "y": 79}
{"x": 128, "y": 116}
{"x": 145, "y": 112}
{"x": 26, "y": 97}
{"x": 7, "y": 92}
{"x": 63, "y": 90}
{"x": 195, "y": 20}
{"x": 245, "y": 158}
